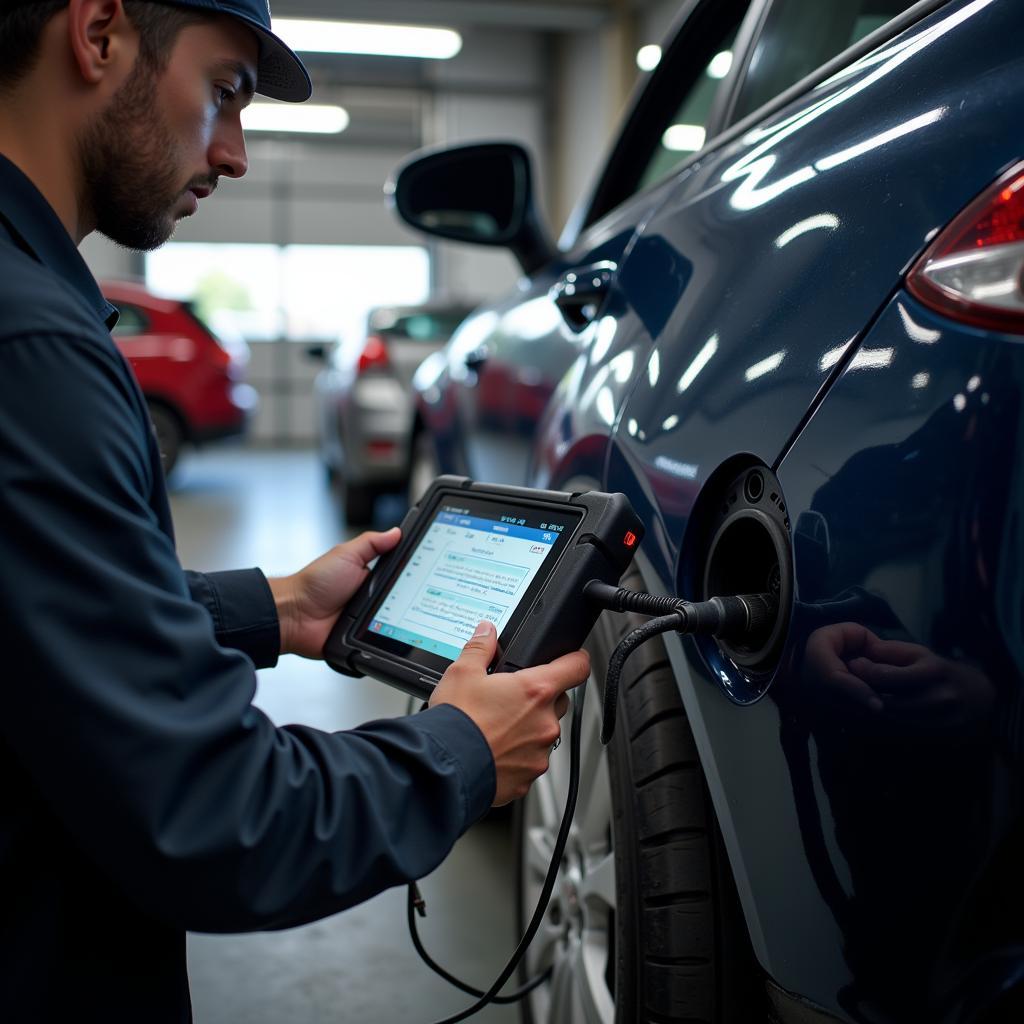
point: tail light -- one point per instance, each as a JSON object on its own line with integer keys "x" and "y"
{"x": 974, "y": 270}
{"x": 374, "y": 355}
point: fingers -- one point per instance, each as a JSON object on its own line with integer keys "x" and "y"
{"x": 844, "y": 687}
{"x": 367, "y": 546}
{"x": 563, "y": 673}
{"x": 844, "y": 640}
{"x": 479, "y": 650}
{"x": 896, "y": 678}
{"x": 895, "y": 652}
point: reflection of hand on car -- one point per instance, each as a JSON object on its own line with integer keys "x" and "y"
{"x": 901, "y": 687}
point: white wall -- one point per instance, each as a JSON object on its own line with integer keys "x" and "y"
{"x": 107, "y": 260}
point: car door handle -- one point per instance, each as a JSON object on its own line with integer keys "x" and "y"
{"x": 475, "y": 359}
{"x": 581, "y": 292}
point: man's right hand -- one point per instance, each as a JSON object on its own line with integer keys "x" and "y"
{"x": 518, "y": 712}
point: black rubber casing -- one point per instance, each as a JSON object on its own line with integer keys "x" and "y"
{"x": 559, "y": 620}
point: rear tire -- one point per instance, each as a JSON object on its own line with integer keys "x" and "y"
{"x": 665, "y": 939}
{"x": 170, "y": 435}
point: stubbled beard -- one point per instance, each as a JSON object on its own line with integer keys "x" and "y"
{"x": 129, "y": 166}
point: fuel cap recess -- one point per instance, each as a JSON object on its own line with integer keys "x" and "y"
{"x": 750, "y": 553}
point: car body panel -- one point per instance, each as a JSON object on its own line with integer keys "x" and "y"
{"x": 911, "y": 815}
{"x": 758, "y": 312}
{"x": 483, "y": 402}
{"x": 788, "y": 874}
{"x": 180, "y": 364}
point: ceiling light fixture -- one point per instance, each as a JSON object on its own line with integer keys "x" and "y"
{"x": 720, "y": 64}
{"x": 683, "y": 138}
{"x": 287, "y": 117}
{"x": 367, "y": 38}
{"x": 648, "y": 57}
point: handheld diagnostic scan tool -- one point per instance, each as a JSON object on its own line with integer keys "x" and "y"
{"x": 469, "y": 551}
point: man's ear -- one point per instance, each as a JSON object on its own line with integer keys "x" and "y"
{"x": 103, "y": 41}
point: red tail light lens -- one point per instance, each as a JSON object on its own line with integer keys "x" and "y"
{"x": 374, "y": 355}
{"x": 974, "y": 270}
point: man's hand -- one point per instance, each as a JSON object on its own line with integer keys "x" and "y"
{"x": 518, "y": 712}
{"x": 309, "y": 601}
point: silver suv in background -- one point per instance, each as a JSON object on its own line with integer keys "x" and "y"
{"x": 363, "y": 400}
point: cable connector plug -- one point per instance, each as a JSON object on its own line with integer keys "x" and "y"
{"x": 745, "y": 618}
{"x": 417, "y": 900}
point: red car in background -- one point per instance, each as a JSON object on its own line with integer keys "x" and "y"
{"x": 193, "y": 381}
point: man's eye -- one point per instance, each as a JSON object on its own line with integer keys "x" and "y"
{"x": 225, "y": 95}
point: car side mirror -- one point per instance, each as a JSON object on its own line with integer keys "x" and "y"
{"x": 481, "y": 193}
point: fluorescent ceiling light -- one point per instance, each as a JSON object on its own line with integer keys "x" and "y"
{"x": 873, "y": 359}
{"x": 720, "y": 64}
{"x": 698, "y": 364}
{"x": 773, "y": 362}
{"x": 821, "y": 220}
{"x": 828, "y": 162}
{"x": 367, "y": 38}
{"x": 648, "y": 57}
{"x": 683, "y": 138}
{"x": 295, "y": 117}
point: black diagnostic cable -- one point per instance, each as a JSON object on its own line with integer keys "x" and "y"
{"x": 748, "y": 617}
{"x": 416, "y": 905}
{"x": 491, "y": 995}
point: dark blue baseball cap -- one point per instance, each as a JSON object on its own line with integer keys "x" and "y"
{"x": 280, "y": 74}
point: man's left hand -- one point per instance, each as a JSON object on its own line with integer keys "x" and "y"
{"x": 309, "y": 601}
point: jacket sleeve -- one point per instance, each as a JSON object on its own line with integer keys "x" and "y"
{"x": 136, "y": 726}
{"x": 243, "y": 612}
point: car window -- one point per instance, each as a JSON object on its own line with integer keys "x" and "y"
{"x": 686, "y": 131}
{"x": 672, "y": 117}
{"x": 425, "y": 326}
{"x": 801, "y": 35}
{"x": 131, "y": 321}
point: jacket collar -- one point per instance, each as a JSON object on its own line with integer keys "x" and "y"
{"x": 36, "y": 229}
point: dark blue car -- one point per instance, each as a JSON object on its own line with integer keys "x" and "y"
{"x": 787, "y": 322}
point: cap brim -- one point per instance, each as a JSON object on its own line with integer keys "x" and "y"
{"x": 280, "y": 74}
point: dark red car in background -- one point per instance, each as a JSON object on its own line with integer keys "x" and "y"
{"x": 194, "y": 382}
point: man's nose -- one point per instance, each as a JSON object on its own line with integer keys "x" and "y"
{"x": 227, "y": 151}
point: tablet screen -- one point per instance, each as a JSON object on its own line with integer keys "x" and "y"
{"x": 476, "y": 559}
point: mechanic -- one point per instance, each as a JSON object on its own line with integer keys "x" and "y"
{"x": 141, "y": 793}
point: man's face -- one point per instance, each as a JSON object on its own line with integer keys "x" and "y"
{"x": 166, "y": 137}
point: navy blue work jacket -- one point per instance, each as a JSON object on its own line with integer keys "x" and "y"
{"x": 141, "y": 793}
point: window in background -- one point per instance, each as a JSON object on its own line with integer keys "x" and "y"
{"x": 235, "y": 288}
{"x": 329, "y": 290}
{"x": 297, "y": 292}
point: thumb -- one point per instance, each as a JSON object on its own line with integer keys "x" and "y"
{"x": 479, "y": 649}
{"x": 367, "y": 546}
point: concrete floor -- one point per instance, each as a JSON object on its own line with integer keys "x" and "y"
{"x": 234, "y": 508}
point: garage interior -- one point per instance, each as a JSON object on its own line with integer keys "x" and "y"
{"x": 554, "y": 76}
{"x": 310, "y": 213}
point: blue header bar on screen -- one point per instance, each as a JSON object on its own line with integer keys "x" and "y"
{"x": 504, "y": 529}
